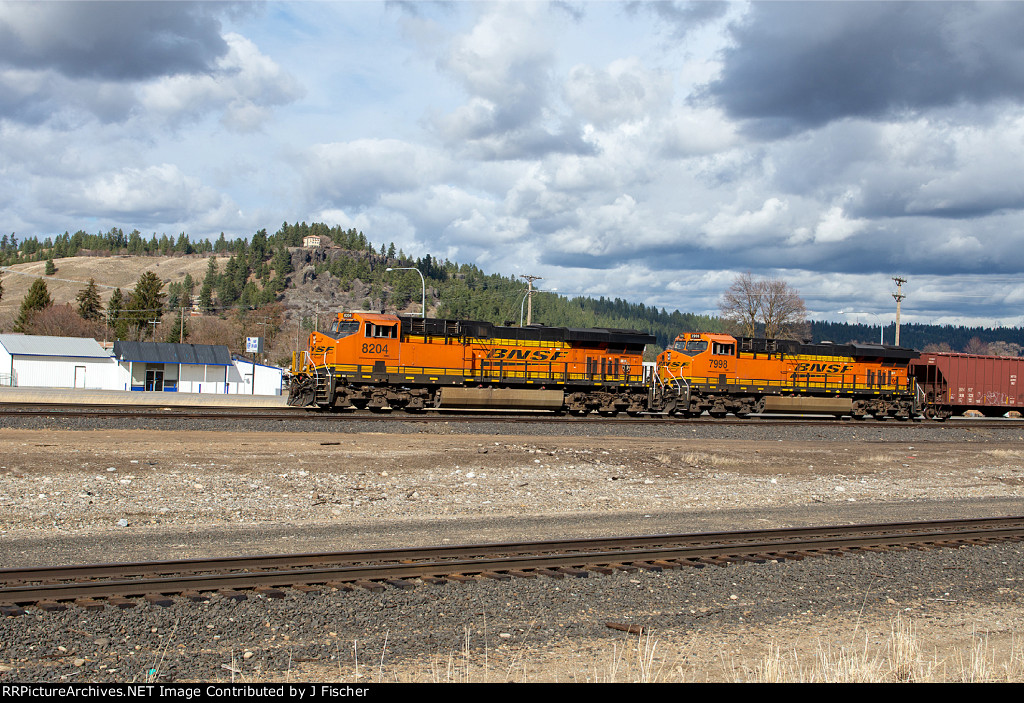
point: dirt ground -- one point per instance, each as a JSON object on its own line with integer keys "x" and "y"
{"x": 70, "y": 482}
{"x": 116, "y": 494}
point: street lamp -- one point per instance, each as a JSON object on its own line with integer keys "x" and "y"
{"x": 422, "y": 280}
{"x": 881, "y": 328}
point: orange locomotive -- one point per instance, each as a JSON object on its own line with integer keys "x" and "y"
{"x": 377, "y": 361}
{"x": 720, "y": 373}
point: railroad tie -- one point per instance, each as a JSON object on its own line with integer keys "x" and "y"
{"x": 341, "y": 586}
{"x": 11, "y": 611}
{"x": 667, "y": 564}
{"x": 233, "y": 595}
{"x": 269, "y": 591}
{"x": 523, "y": 574}
{"x": 628, "y": 568}
{"x": 90, "y": 604}
{"x": 496, "y": 575}
{"x": 372, "y": 586}
{"x": 401, "y": 584}
{"x": 605, "y": 570}
{"x": 121, "y": 602}
{"x": 647, "y": 566}
{"x": 51, "y": 606}
{"x": 691, "y": 563}
{"x": 434, "y": 580}
{"x": 159, "y": 599}
{"x": 551, "y": 573}
{"x": 715, "y": 561}
{"x": 461, "y": 578}
{"x": 307, "y": 589}
{"x": 194, "y": 596}
{"x": 573, "y": 571}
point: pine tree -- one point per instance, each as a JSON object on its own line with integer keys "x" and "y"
{"x": 37, "y": 298}
{"x": 51, "y": 268}
{"x": 146, "y": 302}
{"x": 90, "y": 307}
{"x": 116, "y": 317}
{"x": 178, "y": 331}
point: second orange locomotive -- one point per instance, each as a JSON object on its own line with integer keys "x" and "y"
{"x": 720, "y": 373}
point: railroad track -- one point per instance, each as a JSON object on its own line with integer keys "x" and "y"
{"x": 157, "y": 412}
{"x": 160, "y": 582}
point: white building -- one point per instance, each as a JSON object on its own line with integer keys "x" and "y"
{"x": 55, "y": 362}
{"x": 268, "y": 380}
{"x": 185, "y": 368}
{"x": 72, "y": 362}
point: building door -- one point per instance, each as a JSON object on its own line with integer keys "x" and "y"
{"x": 154, "y": 379}
{"x": 79, "y": 377}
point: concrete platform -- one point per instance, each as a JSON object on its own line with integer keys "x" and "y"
{"x": 81, "y": 396}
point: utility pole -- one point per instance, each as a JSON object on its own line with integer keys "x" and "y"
{"x": 529, "y": 294}
{"x": 898, "y": 296}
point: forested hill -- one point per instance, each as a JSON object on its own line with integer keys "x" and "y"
{"x": 348, "y": 270}
{"x": 977, "y": 340}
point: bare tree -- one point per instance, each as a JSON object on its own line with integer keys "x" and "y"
{"x": 741, "y": 303}
{"x": 976, "y": 346}
{"x": 62, "y": 321}
{"x": 783, "y": 311}
{"x": 1001, "y": 348}
{"x": 770, "y": 303}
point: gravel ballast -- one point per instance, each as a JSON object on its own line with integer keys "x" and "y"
{"x": 189, "y": 488}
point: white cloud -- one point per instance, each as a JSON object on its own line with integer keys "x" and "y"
{"x": 624, "y": 92}
{"x": 766, "y": 222}
{"x": 359, "y": 172}
{"x": 245, "y": 86}
{"x": 162, "y": 193}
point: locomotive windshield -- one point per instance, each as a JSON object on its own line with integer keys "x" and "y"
{"x": 340, "y": 328}
{"x": 691, "y": 348}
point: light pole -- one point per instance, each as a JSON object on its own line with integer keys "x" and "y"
{"x": 881, "y": 328}
{"x": 422, "y": 280}
{"x": 522, "y": 304}
{"x": 529, "y": 291}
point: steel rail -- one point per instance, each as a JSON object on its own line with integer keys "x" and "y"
{"x": 581, "y": 546}
{"x": 671, "y": 551}
{"x": 159, "y": 412}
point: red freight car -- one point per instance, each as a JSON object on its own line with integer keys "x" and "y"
{"x": 954, "y": 383}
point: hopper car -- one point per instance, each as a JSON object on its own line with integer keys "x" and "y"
{"x": 952, "y": 384}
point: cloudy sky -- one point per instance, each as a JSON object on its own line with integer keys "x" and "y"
{"x": 644, "y": 150}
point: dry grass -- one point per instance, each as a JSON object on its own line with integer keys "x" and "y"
{"x": 645, "y": 659}
{"x": 899, "y": 660}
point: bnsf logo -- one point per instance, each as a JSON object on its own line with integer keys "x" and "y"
{"x": 525, "y": 355}
{"x": 807, "y": 367}
{"x": 321, "y": 349}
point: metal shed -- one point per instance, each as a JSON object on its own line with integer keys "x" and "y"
{"x": 55, "y": 362}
